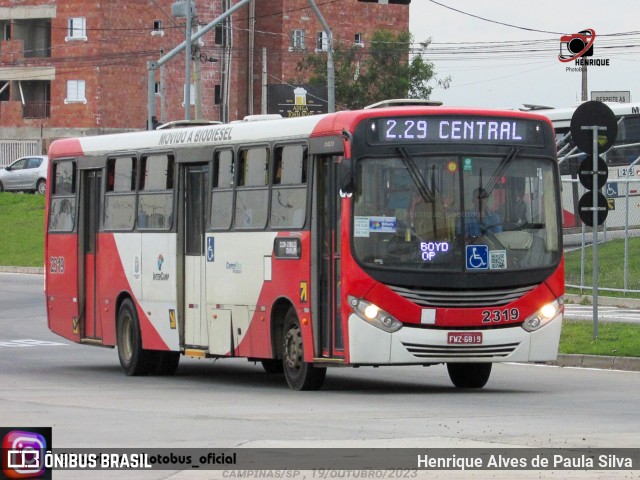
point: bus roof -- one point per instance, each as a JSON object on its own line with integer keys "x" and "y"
{"x": 332, "y": 124}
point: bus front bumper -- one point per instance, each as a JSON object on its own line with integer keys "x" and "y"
{"x": 369, "y": 345}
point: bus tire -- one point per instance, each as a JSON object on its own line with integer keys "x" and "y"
{"x": 469, "y": 375}
{"x": 272, "y": 365}
{"x": 165, "y": 363}
{"x": 300, "y": 375}
{"x": 134, "y": 359}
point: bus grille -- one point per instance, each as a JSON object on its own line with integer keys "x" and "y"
{"x": 461, "y": 298}
{"x": 457, "y": 351}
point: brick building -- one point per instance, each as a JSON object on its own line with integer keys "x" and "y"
{"x": 79, "y": 67}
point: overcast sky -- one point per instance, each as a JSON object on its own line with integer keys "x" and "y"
{"x": 493, "y": 65}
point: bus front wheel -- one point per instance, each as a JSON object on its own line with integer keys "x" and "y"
{"x": 300, "y": 375}
{"x": 133, "y": 358}
{"x": 469, "y": 375}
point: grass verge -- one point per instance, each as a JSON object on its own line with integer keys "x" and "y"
{"x": 616, "y": 339}
{"x": 22, "y": 227}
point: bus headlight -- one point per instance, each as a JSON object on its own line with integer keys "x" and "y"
{"x": 543, "y": 316}
{"x": 374, "y": 315}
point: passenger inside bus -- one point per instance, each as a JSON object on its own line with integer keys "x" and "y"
{"x": 481, "y": 220}
{"x": 519, "y": 211}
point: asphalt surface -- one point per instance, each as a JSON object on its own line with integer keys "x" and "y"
{"x": 625, "y": 307}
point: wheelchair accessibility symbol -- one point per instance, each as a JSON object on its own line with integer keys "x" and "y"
{"x": 477, "y": 257}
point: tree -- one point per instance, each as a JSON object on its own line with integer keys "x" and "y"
{"x": 382, "y": 71}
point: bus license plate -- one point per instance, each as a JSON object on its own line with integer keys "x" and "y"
{"x": 464, "y": 338}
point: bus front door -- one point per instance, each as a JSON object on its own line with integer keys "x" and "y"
{"x": 327, "y": 229}
{"x": 196, "y": 181}
{"x": 89, "y": 215}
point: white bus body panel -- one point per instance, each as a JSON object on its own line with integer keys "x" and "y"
{"x": 369, "y": 345}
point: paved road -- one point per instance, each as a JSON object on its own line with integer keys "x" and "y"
{"x": 81, "y": 392}
{"x": 605, "y": 313}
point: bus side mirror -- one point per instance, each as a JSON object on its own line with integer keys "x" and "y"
{"x": 345, "y": 176}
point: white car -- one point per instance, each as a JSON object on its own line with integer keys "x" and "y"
{"x": 26, "y": 173}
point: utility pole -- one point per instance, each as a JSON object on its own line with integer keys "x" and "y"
{"x": 187, "y": 61}
{"x": 331, "y": 74}
{"x": 153, "y": 65}
{"x": 264, "y": 81}
{"x": 585, "y": 89}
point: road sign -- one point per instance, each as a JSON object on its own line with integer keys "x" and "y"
{"x": 611, "y": 190}
{"x": 591, "y": 114}
{"x": 611, "y": 96}
{"x": 586, "y": 210}
{"x": 585, "y": 173}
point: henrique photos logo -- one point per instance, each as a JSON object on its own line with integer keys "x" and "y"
{"x": 578, "y": 48}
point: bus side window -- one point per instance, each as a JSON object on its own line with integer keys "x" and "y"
{"x": 120, "y": 198}
{"x": 155, "y": 202}
{"x": 63, "y": 200}
{"x": 222, "y": 193}
{"x": 289, "y": 193}
{"x": 252, "y": 195}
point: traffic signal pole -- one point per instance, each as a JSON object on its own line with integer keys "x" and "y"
{"x": 596, "y": 206}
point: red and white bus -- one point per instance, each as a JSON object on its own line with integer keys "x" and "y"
{"x": 342, "y": 239}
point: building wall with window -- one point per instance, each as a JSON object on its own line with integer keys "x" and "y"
{"x": 289, "y": 30}
{"x": 79, "y": 67}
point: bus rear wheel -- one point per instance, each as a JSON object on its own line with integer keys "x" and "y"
{"x": 469, "y": 375}
{"x": 300, "y": 375}
{"x": 133, "y": 358}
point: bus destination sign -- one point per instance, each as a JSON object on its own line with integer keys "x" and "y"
{"x": 454, "y": 129}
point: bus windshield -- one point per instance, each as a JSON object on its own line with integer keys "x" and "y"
{"x": 476, "y": 213}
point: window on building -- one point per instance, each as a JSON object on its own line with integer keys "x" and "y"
{"x": 322, "y": 42}
{"x": 75, "y": 92}
{"x": 218, "y": 37}
{"x": 77, "y": 28}
{"x": 217, "y": 94}
{"x": 358, "y": 40}
{"x": 297, "y": 40}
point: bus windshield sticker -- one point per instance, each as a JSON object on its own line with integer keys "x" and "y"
{"x": 382, "y": 224}
{"x": 477, "y": 257}
{"x": 498, "y": 259}
{"x": 361, "y": 227}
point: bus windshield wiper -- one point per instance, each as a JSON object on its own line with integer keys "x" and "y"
{"x": 513, "y": 153}
{"x": 416, "y": 176}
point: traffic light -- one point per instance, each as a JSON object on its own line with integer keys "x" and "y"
{"x": 390, "y": 2}
{"x": 589, "y": 119}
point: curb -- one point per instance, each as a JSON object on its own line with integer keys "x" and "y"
{"x": 605, "y": 362}
{"x": 27, "y": 270}
{"x": 606, "y": 301}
